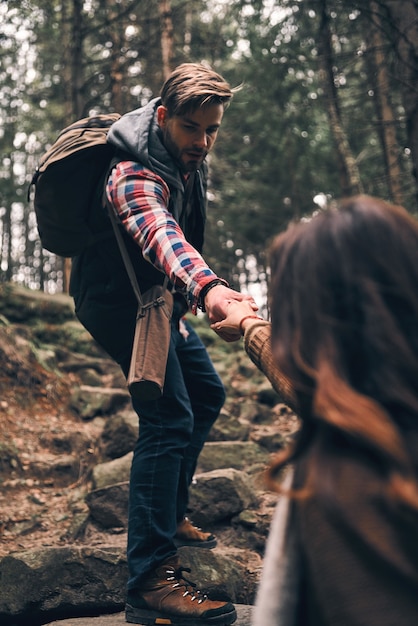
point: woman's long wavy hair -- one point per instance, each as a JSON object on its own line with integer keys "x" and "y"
{"x": 344, "y": 310}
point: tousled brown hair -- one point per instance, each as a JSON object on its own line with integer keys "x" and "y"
{"x": 344, "y": 309}
{"x": 192, "y": 85}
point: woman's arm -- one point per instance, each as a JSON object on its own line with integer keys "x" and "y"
{"x": 257, "y": 333}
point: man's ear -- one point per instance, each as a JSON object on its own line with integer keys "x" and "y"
{"x": 162, "y": 115}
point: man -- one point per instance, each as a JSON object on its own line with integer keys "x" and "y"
{"x": 158, "y": 192}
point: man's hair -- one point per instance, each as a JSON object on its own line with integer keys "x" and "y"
{"x": 192, "y": 85}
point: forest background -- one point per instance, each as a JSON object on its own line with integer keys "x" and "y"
{"x": 328, "y": 107}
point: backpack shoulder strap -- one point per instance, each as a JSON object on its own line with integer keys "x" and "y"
{"x": 119, "y": 237}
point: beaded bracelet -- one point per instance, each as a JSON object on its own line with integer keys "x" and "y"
{"x": 247, "y": 317}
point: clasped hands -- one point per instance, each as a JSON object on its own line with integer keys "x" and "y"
{"x": 225, "y": 309}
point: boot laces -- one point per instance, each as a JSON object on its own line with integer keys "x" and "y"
{"x": 190, "y": 588}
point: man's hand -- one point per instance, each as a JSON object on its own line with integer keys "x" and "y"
{"x": 216, "y": 304}
{"x": 237, "y": 311}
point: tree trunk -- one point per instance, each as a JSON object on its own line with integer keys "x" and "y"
{"x": 77, "y": 59}
{"x": 188, "y": 20}
{"x": 72, "y": 63}
{"x": 167, "y": 36}
{"x": 404, "y": 18}
{"x": 349, "y": 173}
{"x": 65, "y": 19}
{"x": 8, "y": 227}
{"x": 385, "y": 115}
{"x": 116, "y": 32}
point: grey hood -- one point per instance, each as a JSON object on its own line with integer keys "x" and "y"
{"x": 138, "y": 134}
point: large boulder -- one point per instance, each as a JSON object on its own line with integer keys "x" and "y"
{"x": 56, "y": 583}
{"x": 219, "y": 495}
{"x": 61, "y": 582}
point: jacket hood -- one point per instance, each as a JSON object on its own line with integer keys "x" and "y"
{"x": 138, "y": 134}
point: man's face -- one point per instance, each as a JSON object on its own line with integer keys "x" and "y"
{"x": 190, "y": 137}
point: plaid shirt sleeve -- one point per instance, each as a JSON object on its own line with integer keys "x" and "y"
{"x": 140, "y": 198}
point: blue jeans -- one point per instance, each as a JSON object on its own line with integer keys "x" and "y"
{"x": 172, "y": 432}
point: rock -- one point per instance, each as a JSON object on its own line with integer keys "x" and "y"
{"x": 112, "y": 472}
{"x": 119, "y": 434}
{"x": 219, "y": 495}
{"x": 18, "y": 304}
{"x": 88, "y": 376}
{"x": 55, "y": 583}
{"x": 78, "y": 525}
{"x": 267, "y": 395}
{"x": 214, "y": 496}
{"x": 246, "y": 368}
{"x": 264, "y": 415}
{"x": 220, "y": 577}
{"x": 109, "y": 506}
{"x": 91, "y": 401}
{"x": 65, "y": 442}
{"x": 65, "y": 468}
{"x": 269, "y": 438}
{"x": 235, "y": 454}
{"x": 228, "y": 428}
{"x": 9, "y": 457}
{"x": 69, "y": 361}
{"x": 18, "y": 357}
{"x": 244, "y": 618}
{"x": 61, "y": 582}
{"x": 249, "y": 411}
{"x": 248, "y": 519}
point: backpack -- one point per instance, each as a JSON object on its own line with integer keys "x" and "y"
{"x": 69, "y": 184}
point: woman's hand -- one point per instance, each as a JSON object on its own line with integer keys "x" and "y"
{"x": 235, "y": 313}
{"x": 218, "y": 303}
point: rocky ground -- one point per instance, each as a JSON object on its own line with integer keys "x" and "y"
{"x": 49, "y": 446}
{"x": 37, "y": 507}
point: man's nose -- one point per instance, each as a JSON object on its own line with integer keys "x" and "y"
{"x": 201, "y": 141}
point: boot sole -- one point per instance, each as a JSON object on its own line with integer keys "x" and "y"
{"x": 146, "y": 617}
{"x": 211, "y": 543}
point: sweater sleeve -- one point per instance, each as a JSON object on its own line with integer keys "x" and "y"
{"x": 258, "y": 347}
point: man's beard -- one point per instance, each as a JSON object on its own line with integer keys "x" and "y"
{"x": 176, "y": 153}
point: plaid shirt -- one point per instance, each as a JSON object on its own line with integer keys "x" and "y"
{"x": 141, "y": 198}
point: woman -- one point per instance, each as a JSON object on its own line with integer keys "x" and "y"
{"x": 344, "y": 310}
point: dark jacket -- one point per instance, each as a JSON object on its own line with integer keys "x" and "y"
{"x": 99, "y": 282}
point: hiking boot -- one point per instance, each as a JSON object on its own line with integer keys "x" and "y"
{"x": 169, "y": 598}
{"x": 188, "y": 534}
